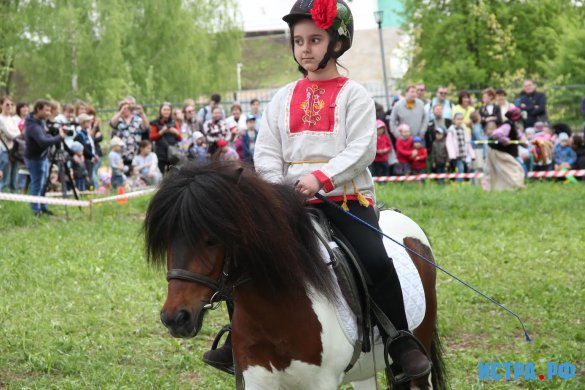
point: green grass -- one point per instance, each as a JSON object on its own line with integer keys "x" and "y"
{"x": 79, "y": 306}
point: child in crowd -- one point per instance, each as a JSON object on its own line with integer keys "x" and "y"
{"x": 380, "y": 165}
{"x": 404, "y": 151}
{"x": 80, "y": 173}
{"x": 116, "y": 163}
{"x": 147, "y": 163}
{"x": 578, "y": 145}
{"x": 249, "y": 139}
{"x": 135, "y": 181}
{"x": 459, "y": 145}
{"x": 198, "y": 150}
{"x": 563, "y": 155}
{"x": 418, "y": 163}
{"x": 224, "y": 152}
{"x": 439, "y": 155}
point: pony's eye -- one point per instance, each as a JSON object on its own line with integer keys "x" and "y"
{"x": 211, "y": 242}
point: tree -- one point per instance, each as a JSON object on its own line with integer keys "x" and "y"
{"x": 104, "y": 50}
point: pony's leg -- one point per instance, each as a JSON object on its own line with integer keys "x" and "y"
{"x": 367, "y": 384}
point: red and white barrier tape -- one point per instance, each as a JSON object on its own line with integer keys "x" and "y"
{"x": 72, "y": 202}
{"x": 438, "y": 176}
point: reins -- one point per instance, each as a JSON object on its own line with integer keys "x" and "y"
{"x": 329, "y": 202}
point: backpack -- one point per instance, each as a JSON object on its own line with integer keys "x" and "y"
{"x": 16, "y": 153}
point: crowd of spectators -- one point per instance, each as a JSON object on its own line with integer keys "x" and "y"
{"x": 416, "y": 135}
{"x": 454, "y": 136}
{"x": 62, "y": 144}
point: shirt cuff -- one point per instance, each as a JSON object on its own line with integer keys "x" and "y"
{"x": 324, "y": 179}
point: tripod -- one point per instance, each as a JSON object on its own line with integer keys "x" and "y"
{"x": 59, "y": 159}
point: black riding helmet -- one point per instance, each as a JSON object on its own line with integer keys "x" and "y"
{"x": 334, "y": 16}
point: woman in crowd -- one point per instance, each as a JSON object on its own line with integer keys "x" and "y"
{"x": 96, "y": 135}
{"x": 166, "y": 136}
{"x": 215, "y": 129}
{"x": 489, "y": 111}
{"x": 464, "y": 107}
{"x": 130, "y": 127}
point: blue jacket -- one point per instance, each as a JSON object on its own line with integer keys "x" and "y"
{"x": 37, "y": 140}
{"x": 564, "y": 154}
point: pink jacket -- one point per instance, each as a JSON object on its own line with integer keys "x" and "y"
{"x": 451, "y": 143}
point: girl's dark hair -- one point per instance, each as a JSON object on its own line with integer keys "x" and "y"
{"x": 20, "y": 106}
{"x": 144, "y": 143}
{"x": 165, "y": 104}
{"x": 463, "y": 94}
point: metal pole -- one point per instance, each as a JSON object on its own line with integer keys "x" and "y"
{"x": 384, "y": 66}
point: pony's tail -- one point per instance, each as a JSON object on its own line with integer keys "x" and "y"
{"x": 438, "y": 371}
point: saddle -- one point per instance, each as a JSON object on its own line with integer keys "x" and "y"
{"x": 352, "y": 279}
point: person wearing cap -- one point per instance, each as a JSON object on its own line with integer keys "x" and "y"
{"x": 503, "y": 168}
{"x": 198, "y": 150}
{"x": 318, "y": 134}
{"x": 37, "y": 142}
{"x": 224, "y": 152}
{"x": 80, "y": 172}
{"x": 563, "y": 154}
{"x": 85, "y": 138}
{"x": 117, "y": 163}
{"x": 249, "y": 139}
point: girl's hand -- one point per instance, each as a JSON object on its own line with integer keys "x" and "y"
{"x": 308, "y": 185}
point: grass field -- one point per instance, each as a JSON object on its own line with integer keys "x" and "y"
{"x": 79, "y": 306}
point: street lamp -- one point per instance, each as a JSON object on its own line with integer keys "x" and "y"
{"x": 379, "y": 17}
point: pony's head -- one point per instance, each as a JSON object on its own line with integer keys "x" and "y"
{"x": 219, "y": 225}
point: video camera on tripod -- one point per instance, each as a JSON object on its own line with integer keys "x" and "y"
{"x": 68, "y": 127}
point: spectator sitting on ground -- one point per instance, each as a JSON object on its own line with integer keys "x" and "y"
{"x": 134, "y": 181}
{"x": 119, "y": 169}
{"x": 410, "y": 111}
{"x": 418, "y": 164}
{"x": 224, "y": 152}
{"x": 206, "y": 113}
{"x": 563, "y": 155}
{"x": 147, "y": 164}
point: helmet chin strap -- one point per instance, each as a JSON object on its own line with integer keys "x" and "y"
{"x": 328, "y": 55}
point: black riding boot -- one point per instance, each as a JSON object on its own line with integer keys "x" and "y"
{"x": 222, "y": 358}
{"x": 406, "y": 352}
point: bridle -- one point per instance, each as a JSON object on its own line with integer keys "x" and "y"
{"x": 219, "y": 287}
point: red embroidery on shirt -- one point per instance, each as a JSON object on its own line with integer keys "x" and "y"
{"x": 312, "y": 106}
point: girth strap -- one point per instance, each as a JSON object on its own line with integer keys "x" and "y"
{"x": 193, "y": 277}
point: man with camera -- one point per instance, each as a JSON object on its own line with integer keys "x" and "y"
{"x": 37, "y": 142}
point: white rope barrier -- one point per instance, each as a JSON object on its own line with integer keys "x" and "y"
{"x": 73, "y": 202}
{"x": 439, "y": 176}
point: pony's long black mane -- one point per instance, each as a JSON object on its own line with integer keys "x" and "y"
{"x": 264, "y": 227}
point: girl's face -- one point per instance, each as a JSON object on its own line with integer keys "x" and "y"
{"x": 145, "y": 151}
{"x": 465, "y": 101}
{"x": 381, "y": 130}
{"x": 486, "y": 98}
{"x": 165, "y": 112}
{"x": 310, "y": 44}
{"x": 405, "y": 133}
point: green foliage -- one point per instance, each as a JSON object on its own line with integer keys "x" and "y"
{"x": 108, "y": 49}
{"x": 268, "y": 61}
{"x": 79, "y": 305}
{"x": 485, "y": 42}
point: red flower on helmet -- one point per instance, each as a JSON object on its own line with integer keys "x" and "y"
{"x": 324, "y": 13}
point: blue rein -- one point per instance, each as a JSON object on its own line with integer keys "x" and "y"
{"x": 325, "y": 200}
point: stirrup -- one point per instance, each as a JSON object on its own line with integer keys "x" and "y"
{"x": 400, "y": 377}
{"x": 225, "y": 329}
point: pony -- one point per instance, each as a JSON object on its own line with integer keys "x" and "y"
{"x": 221, "y": 229}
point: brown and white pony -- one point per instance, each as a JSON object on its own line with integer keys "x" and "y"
{"x": 221, "y": 228}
